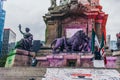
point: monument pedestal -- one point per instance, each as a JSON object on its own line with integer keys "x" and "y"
{"x": 117, "y": 55}
{"x": 19, "y": 57}
{"x": 86, "y": 61}
{"x": 66, "y": 60}
{"x": 118, "y": 62}
{"x": 76, "y": 60}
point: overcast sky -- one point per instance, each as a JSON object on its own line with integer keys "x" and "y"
{"x": 29, "y": 13}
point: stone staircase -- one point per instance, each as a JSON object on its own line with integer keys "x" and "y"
{"x": 25, "y": 73}
{"x": 22, "y": 73}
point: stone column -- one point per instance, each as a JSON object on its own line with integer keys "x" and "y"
{"x": 98, "y": 25}
{"x": 98, "y": 30}
{"x": 51, "y": 32}
{"x": 59, "y": 29}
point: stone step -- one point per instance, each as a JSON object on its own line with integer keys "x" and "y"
{"x": 22, "y": 73}
{"x": 20, "y": 78}
{"x": 44, "y": 52}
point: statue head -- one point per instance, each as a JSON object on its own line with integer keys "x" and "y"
{"x": 27, "y": 29}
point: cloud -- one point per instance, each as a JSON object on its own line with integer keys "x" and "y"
{"x": 28, "y": 13}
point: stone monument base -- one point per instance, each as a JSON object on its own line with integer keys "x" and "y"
{"x": 66, "y": 60}
{"x": 19, "y": 57}
{"x": 73, "y": 60}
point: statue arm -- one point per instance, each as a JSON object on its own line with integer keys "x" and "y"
{"x": 20, "y": 29}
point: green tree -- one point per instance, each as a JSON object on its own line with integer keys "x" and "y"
{"x": 3, "y": 61}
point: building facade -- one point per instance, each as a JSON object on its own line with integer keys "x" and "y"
{"x": 9, "y": 39}
{"x": 108, "y": 39}
{"x": 113, "y": 45}
{"x": 2, "y": 19}
{"x": 118, "y": 40}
